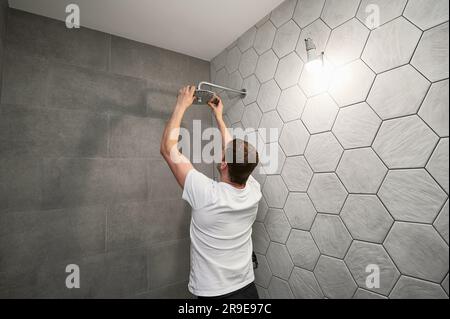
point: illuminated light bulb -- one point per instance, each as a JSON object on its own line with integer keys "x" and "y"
{"x": 315, "y": 61}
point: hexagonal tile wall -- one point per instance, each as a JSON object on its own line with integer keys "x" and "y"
{"x": 296, "y": 174}
{"x": 412, "y": 195}
{"x": 275, "y": 191}
{"x": 351, "y": 83}
{"x": 270, "y": 127}
{"x": 286, "y": 39}
{"x": 434, "y": 110}
{"x": 323, "y": 152}
{"x": 334, "y": 278}
{"x": 320, "y": 113}
{"x": 279, "y": 261}
{"x": 408, "y": 242}
{"x": 405, "y": 142}
{"x": 330, "y": 235}
{"x": 398, "y": 92}
{"x": 356, "y": 126}
{"x": 291, "y": 104}
{"x": 327, "y": 193}
{"x": 390, "y": 10}
{"x": 289, "y": 70}
{"x": 438, "y": 164}
{"x": 303, "y": 250}
{"x": 346, "y": 42}
{"x": 361, "y": 255}
{"x": 372, "y": 122}
{"x": 413, "y": 288}
{"x": 366, "y": 218}
{"x": 300, "y": 211}
{"x": 361, "y": 171}
{"x": 269, "y": 93}
{"x": 277, "y": 225}
{"x": 308, "y": 11}
{"x": 391, "y": 45}
{"x": 294, "y": 138}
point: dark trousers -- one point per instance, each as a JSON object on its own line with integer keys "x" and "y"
{"x": 248, "y": 292}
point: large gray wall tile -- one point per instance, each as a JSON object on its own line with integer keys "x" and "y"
{"x": 303, "y": 250}
{"x": 279, "y": 289}
{"x": 412, "y": 288}
{"x": 441, "y": 222}
{"x": 438, "y": 164}
{"x": 323, "y": 152}
{"x": 300, "y": 211}
{"x": 279, "y": 260}
{"x": 389, "y": 10}
{"x": 308, "y": 11}
{"x": 277, "y": 225}
{"x": 304, "y": 285}
{"x": 434, "y": 110}
{"x": 327, "y": 193}
{"x": 427, "y": 14}
{"x": 337, "y": 12}
{"x": 297, "y": 174}
{"x": 331, "y": 236}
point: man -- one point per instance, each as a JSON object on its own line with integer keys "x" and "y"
{"x": 223, "y": 212}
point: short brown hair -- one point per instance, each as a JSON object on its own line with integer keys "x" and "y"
{"x": 241, "y": 158}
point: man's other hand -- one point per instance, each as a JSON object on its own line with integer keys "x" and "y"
{"x": 216, "y": 105}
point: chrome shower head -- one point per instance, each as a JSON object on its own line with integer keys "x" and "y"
{"x": 203, "y": 96}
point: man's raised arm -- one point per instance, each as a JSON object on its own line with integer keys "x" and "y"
{"x": 218, "y": 113}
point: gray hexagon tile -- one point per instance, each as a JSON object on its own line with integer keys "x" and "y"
{"x": 275, "y": 191}
{"x": 351, "y": 83}
{"x": 334, "y": 278}
{"x": 263, "y": 208}
{"x": 388, "y": 9}
{"x": 264, "y": 37}
{"x": 252, "y": 85}
{"x": 248, "y": 63}
{"x": 291, "y": 104}
{"x": 235, "y": 111}
{"x": 304, "y": 284}
{"x": 270, "y": 127}
{"x": 268, "y": 97}
{"x": 300, "y": 211}
{"x": 438, "y": 164}
{"x": 418, "y": 251}
{"x": 308, "y": 11}
{"x": 431, "y": 56}
{"x": 288, "y": 71}
{"x": 398, "y": 92}
{"x": 277, "y": 225}
{"x": 222, "y": 77}
{"x": 434, "y": 110}
{"x": 323, "y": 152}
{"x": 320, "y": 113}
{"x": 347, "y": 42}
{"x": 441, "y": 222}
{"x": 279, "y": 289}
{"x": 445, "y": 284}
{"x": 266, "y": 67}
{"x": 220, "y": 61}
{"x": 391, "y": 45}
{"x": 262, "y": 21}
{"x": 263, "y": 293}
{"x": 296, "y": 174}
{"x": 273, "y": 164}
{"x": 330, "y": 235}
{"x": 246, "y": 41}
{"x": 361, "y": 171}
{"x": 279, "y": 260}
{"x": 336, "y": 12}
{"x": 233, "y": 59}
{"x": 405, "y": 142}
{"x": 251, "y": 117}
{"x": 319, "y": 32}
{"x": 260, "y": 238}
{"x": 412, "y": 288}
{"x": 303, "y": 250}
{"x": 427, "y": 14}
{"x": 364, "y": 294}
{"x": 361, "y": 255}
{"x": 327, "y": 193}
{"x": 356, "y": 126}
{"x": 412, "y": 195}
{"x": 294, "y": 138}
{"x": 283, "y": 13}
{"x": 263, "y": 275}
{"x": 314, "y": 82}
{"x": 286, "y": 39}
{"x": 366, "y": 218}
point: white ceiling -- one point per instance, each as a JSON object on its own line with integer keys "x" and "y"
{"x": 199, "y": 28}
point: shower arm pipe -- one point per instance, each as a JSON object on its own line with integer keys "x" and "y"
{"x": 243, "y": 92}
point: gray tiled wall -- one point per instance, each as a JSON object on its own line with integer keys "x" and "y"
{"x": 3, "y": 19}
{"x": 363, "y": 174}
{"x": 81, "y": 178}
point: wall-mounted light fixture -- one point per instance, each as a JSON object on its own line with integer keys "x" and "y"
{"x": 315, "y": 61}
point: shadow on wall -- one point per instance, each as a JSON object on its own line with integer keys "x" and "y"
{"x": 82, "y": 180}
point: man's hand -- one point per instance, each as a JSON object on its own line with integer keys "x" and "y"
{"x": 216, "y": 108}
{"x": 186, "y": 97}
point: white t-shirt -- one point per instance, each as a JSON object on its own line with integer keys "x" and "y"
{"x": 221, "y": 230}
